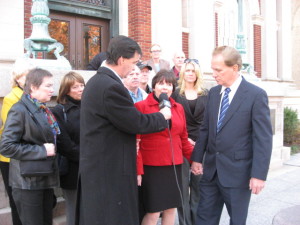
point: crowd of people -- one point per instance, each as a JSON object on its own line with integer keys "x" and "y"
{"x": 137, "y": 141}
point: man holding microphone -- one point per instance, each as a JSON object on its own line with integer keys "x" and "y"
{"x": 109, "y": 122}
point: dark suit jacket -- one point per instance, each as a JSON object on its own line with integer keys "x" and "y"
{"x": 107, "y": 168}
{"x": 242, "y": 148}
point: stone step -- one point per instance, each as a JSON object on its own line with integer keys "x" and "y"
{"x": 60, "y": 220}
{"x": 59, "y": 209}
{"x": 5, "y": 217}
{"x": 275, "y": 164}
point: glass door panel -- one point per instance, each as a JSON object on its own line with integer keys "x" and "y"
{"x": 82, "y": 37}
{"x": 60, "y": 31}
{"x": 92, "y": 42}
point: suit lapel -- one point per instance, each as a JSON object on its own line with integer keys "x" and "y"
{"x": 237, "y": 100}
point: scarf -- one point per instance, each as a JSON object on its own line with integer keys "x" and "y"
{"x": 50, "y": 117}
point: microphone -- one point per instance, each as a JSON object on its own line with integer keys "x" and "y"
{"x": 164, "y": 102}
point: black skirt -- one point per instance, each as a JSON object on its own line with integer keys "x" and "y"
{"x": 161, "y": 188}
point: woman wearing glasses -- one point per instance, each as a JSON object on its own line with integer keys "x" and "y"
{"x": 191, "y": 94}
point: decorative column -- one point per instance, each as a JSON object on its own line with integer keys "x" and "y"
{"x": 202, "y": 32}
{"x": 269, "y": 41}
{"x": 284, "y": 40}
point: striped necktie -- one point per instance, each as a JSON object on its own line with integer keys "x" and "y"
{"x": 224, "y": 107}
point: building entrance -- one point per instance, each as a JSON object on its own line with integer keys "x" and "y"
{"x": 82, "y": 37}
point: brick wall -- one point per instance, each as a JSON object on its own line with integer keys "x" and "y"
{"x": 257, "y": 49}
{"x": 27, "y": 15}
{"x": 185, "y": 44}
{"x": 139, "y": 24}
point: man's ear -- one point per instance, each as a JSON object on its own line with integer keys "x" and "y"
{"x": 120, "y": 61}
{"x": 235, "y": 68}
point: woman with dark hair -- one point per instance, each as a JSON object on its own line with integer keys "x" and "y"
{"x": 161, "y": 154}
{"x": 67, "y": 113}
{"x": 191, "y": 94}
{"x": 29, "y": 136}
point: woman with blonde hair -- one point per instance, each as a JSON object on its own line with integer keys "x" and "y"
{"x": 18, "y": 76}
{"x": 67, "y": 113}
{"x": 192, "y": 95}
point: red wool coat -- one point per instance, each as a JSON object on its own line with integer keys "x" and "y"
{"x": 155, "y": 148}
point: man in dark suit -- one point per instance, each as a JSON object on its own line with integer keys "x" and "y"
{"x": 234, "y": 144}
{"x": 107, "y": 191}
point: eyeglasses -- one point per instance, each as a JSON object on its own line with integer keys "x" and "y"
{"x": 191, "y": 60}
{"x": 156, "y": 51}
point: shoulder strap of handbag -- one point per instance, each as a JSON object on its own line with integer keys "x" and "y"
{"x": 64, "y": 112}
{"x": 34, "y": 119}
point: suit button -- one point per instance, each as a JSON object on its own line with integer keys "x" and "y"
{"x": 119, "y": 203}
{"x": 217, "y": 153}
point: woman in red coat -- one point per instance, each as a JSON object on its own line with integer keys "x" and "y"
{"x": 161, "y": 155}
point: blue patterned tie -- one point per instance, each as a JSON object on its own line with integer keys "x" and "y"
{"x": 224, "y": 107}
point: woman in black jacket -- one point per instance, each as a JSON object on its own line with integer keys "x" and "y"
{"x": 193, "y": 97}
{"x": 67, "y": 112}
{"x": 29, "y": 138}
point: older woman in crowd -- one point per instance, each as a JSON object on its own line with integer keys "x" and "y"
{"x": 191, "y": 94}
{"x": 67, "y": 113}
{"x": 161, "y": 155}
{"x": 29, "y": 138}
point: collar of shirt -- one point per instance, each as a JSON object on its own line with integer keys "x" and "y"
{"x": 106, "y": 66}
{"x": 138, "y": 97}
{"x": 176, "y": 72}
{"x": 233, "y": 88}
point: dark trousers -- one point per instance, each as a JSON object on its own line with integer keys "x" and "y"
{"x": 34, "y": 206}
{"x": 4, "y": 167}
{"x": 191, "y": 195}
{"x": 212, "y": 198}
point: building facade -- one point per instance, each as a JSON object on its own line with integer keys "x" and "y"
{"x": 266, "y": 33}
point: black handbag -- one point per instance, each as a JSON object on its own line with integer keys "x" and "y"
{"x": 35, "y": 168}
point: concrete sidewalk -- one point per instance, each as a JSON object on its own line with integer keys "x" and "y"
{"x": 279, "y": 202}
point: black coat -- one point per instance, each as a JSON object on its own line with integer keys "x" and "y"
{"x": 23, "y": 139}
{"x": 193, "y": 120}
{"x": 107, "y": 171}
{"x": 69, "y": 139}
